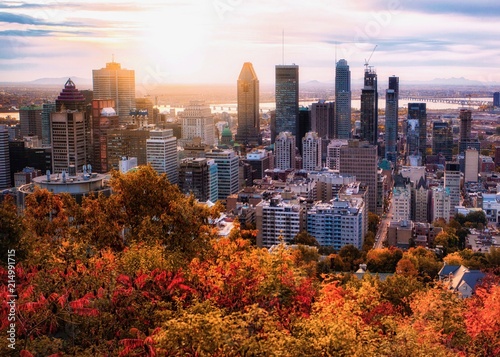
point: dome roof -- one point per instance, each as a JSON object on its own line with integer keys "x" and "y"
{"x": 227, "y": 132}
{"x": 108, "y": 112}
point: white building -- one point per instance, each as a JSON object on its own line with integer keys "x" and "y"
{"x": 452, "y": 182}
{"x": 339, "y": 223}
{"x": 161, "y": 153}
{"x": 333, "y": 153}
{"x": 311, "y": 151}
{"x": 228, "y": 171}
{"x": 401, "y": 199}
{"x": 198, "y": 122}
{"x": 491, "y": 207}
{"x": 277, "y": 218}
{"x": 440, "y": 203}
{"x": 284, "y": 148}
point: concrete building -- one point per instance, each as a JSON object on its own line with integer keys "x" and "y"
{"x": 400, "y": 233}
{"x": 360, "y": 159}
{"x": 401, "y": 200}
{"x": 199, "y": 176}
{"x": 197, "y": 121}
{"x": 442, "y": 139}
{"x": 466, "y": 140}
{"x": 311, "y": 156}
{"x": 30, "y": 119}
{"x": 260, "y": 160}
{"x": 452, "y": 178}
{"x": 413, "y": 143}
{"x": 47, "y": 109}
{"x": 421, "y": 199}
{"x": 161, "y": 153}
{"x": 323, "y": 119}
{"x": 441, "y": 207}
{"x": 277, "y": 219}
{"x": 126, "y": 143}
{"x": 104, "y": 118}
{"x": 329, "y": 184}
{"x": 5, "y": 180}
{"x": 228, "y": 171}
{"x": 114, "y": 82}
{"x": 369, "y": 108}
{"x": 471, "y": 165}
{"x": 284, "y": 151}
{"x": 342, "y": 100}
{"x": 333, "y": 153}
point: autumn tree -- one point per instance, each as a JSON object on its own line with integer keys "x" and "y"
{"x": 11, "y": 230}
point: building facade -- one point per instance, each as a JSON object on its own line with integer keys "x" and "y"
{"x": 342, "y": 100}
{"x": 228, "y": 171}
{"x": 104, "y": 118}
{"x": 442, "y": 139}
{"x": 287, "y": 98}
{"x": 311, "y": 156}
{"x": 248, "y": 107}
{"x": 418, "y": 111}
{"x": 284, "y": 151}
{"x": 196, "y": 176}
{"x": 5, "y": 179}
{"x": 391, "y": 125}
{"x": 161, "y": 153}
{"x": 198, "y": 122}
{"x": 30, "y": 119}
{"x": 369, "y": 108}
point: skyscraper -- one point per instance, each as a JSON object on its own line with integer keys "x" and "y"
{"x": 311, "y": 156}
{"x": 287, "y": 99}
{"x": 248, "y": 107}
{"x": 47, "y": 109}
{"x": 369, "y": 107}
{"x": 304, "y": 124}
{"x": 466, "y": 140}
{"x": 284, "y": 151}
{"x": 116, "y": 83}
{"x": 418, "y": 112}
{"x": 70, "y": 98}
{"x": 161, "y": 152}
{"x": 391, "y": 125}
{"x": 126, "y": 143}
{"x": 104, "y": 118}
{"x": 30, "y": 118}
{"x": 452, "y": 183}
{"x": 496, "y": 99}
{"x": 322, "y": 118}
{"x": 228, "y": 171}
{"x": 342, "y": 100}
{"x": 5, "y": 181}
{"x": 195, "y": 176}
{"x": 442, "y": 139}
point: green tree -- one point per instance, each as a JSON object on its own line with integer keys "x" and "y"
{"x": 351, "y": 257}
{"x": 305, "y": 238}
{"x": 373, "y": 222}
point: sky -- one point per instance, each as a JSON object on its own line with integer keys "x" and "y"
{"x": 207, "y": 41}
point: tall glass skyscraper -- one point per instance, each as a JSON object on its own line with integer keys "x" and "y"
{"x": 391, "y": 125}
{"x": 287, "y": 99}
{"x": 342, "y": 100}
{"x": 418, "y": 111}
{"x": 369, "y": 107}
{"x": 248, "y": 106}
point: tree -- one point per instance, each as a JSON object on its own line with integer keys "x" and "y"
{"x": 368, "y": 242}
{"x": 11, "y": 230}
{"x": 305, "y": 238}
{"x": 350, "y": 256}
{"x": 383, "y": 260}
{"x": 373, "y": 222}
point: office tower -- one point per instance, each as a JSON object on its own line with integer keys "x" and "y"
{"x": 369, "y": 108}
{"x": 359, "y": 158}
{"x": 118, "y": 84}
{"x": 440, "y": 203}
{"x": 248, "y": 107}
{"x": 198, "y": 122}
{"x": 342, "y": 100}
{"x": 391, "y": 125}
{"x": 287, "y": 99}
{"x": 30, "y": 118}
{"x": 70, "y": 98}
{"x": 413, "y": 140}
{"x": 394, "y": 85}
{"x": 104, "y": 118}
{"x": 304, "y": 125}
{"x": 496, "y": 99}
{"x": 5, "y": 180}
{"x": 47, "y": 109}
{"x": 228, "y": 170}
{"x": 278, "y": 220}
{"x": 126, "y": 143}
{"x": 311, "y": 156}
{"x": 471, "y": 165}
{"x": 418, "y": 112}
{"x": 161, "y": 153}
{"x": 196, "y": 176}
{"x": 333, "y": 153}
{"x": 323, "y": 119}
{"x": 325, "y": 219}
{"x": 284, "y": 151}
{"x": 466, "y": 140}
{"x": 260, "y": 160}
{"x": 442, "y": 139}
{"x": 452, "y": 183}
{"x": 69, "y": 144}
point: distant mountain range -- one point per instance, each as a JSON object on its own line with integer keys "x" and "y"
{"x": 79, "y": 82}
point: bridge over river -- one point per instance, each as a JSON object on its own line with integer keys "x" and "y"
{"x": 464, "y": 101}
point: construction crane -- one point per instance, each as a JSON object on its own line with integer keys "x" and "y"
{"x": 367, "y": 62}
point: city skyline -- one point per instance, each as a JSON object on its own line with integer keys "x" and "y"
{"x": 193, "y": 42}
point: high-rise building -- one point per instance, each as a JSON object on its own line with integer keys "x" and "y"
{"x": 5, "y": 180}
{"x": 369, "y": 108}
{"x": 420, "y": 201}
{"x": 287, "y": 99}
{"x": 144, "y": 107}
{"x": 323, "y": 119}
{"x": 47, "y": 109}
{"x": 466, "y": 141}
{"x": 70, "y": 98}
{"x": 342, "y": 100}
{"x": 359, "y": 158}
{"x": 452, "y": 183}
{"x": 196, "y": 176}
{"x": 471, "y": 165}
{"x": 401, "y": 201}
{"x": 284, "y": 151}
{"x": 442, "y": 139}
{"x": 391, "y": 125}
{"x": 304, "y": 124}
{"x": 496, "y": 99}
{"x": 338, "y": 223}
{"x": 440, "y": 203}
{"x": 69, "y": 140}
{"x": 412, "y": 139}
{"x": 228, "y": 171}
{"x": 260, "y": 160}
{"x": 198, "y": 122}
{"x": 418, "y": 111}
{"x": 333, "y": 153}
{"x": 161, "y": 153}
{"x": 248, "y": 107}
{"x": 104, "y": 118}
{"x": 126, "y": 143}
{"x": 114, "y": 82}
{"x": 30, "y": 118}
{"x": 394, "y": 85}
{"x": 311, "y": 156}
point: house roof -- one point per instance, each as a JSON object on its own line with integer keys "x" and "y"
{"x": 447, "y": 270}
